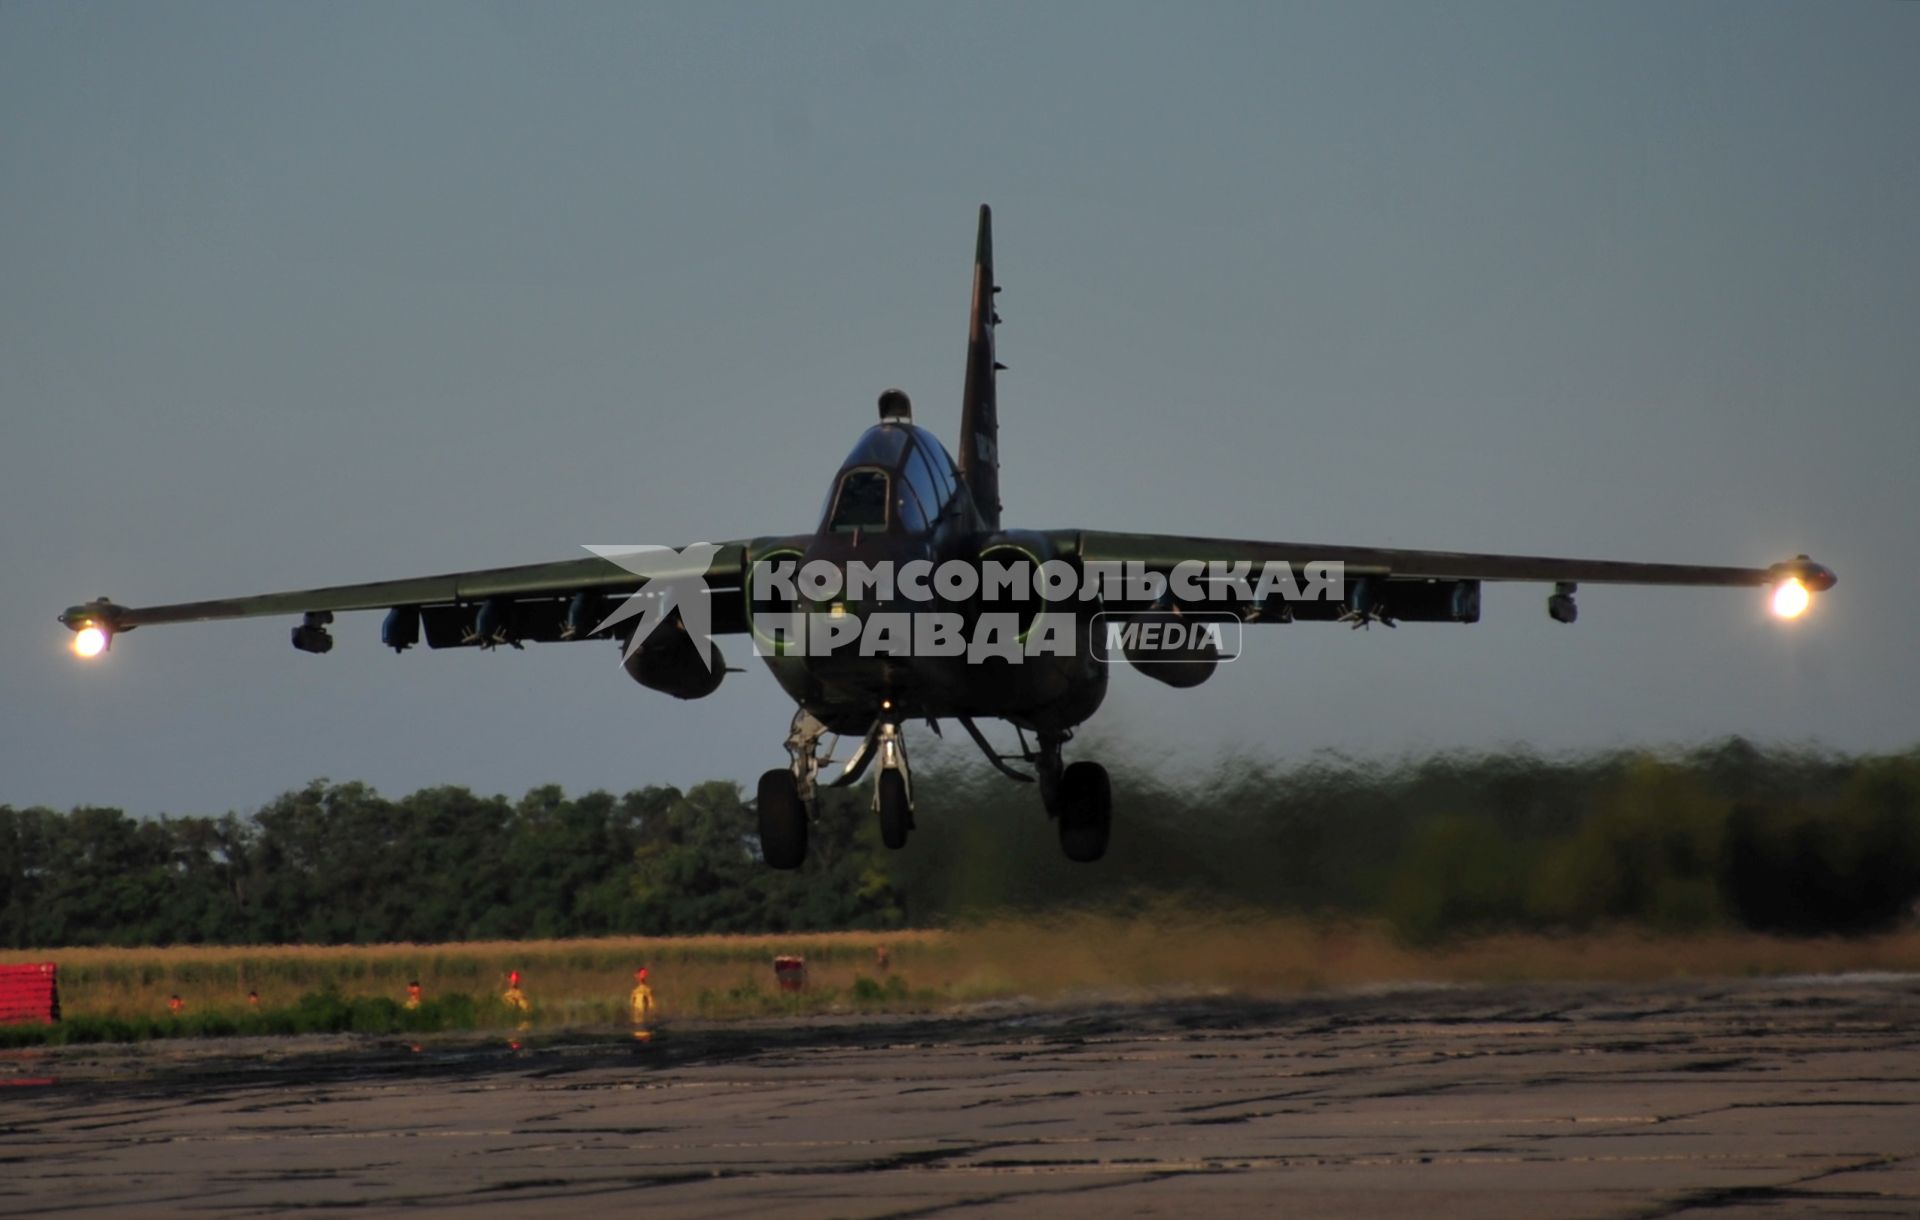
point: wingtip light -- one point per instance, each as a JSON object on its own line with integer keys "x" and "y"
{"x": 1790, "y": 599}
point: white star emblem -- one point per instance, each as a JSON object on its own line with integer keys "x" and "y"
{"x": 675, "y": 579}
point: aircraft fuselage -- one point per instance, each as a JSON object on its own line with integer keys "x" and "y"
{"x": 926, "y": 519}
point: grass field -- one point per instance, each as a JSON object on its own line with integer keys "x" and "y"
{"x": 585, "y": 982}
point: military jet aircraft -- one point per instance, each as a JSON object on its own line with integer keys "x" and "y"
{"x": 899, "y": 499}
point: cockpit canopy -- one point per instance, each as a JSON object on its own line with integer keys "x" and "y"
{"x": 898, "y": 477}
{"x": 862, "y": 502}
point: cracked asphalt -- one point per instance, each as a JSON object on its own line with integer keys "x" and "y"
{"x": 1778, "y": 1098}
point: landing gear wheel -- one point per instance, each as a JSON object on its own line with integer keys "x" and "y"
{"x": 895, "y": 817}
{"x": 1086, "y": 811}
{"x": 783, "y": 820}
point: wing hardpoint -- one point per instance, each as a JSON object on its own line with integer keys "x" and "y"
{"x": 543, "y": 601}
{"x": 979, "y": 411}
{"x": 1417, "y": 585}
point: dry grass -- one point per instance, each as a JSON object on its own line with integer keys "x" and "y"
{"x": 565, "y": 979}
{"x": 574, "y": 981}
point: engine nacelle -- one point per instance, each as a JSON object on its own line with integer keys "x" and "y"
{"x": 1180, "y": 674}
{"x": 670, "y": 662}
{"x": 1175, "y": 649}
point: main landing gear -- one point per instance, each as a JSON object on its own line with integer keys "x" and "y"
{"x": 783, "y": 820}
{"x": 1078, "y": 797}
{"x": 788, "y": 796}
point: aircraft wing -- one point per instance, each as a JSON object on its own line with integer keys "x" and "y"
{"x": 1409, "y": 585}
{"x": 563, "y": 600}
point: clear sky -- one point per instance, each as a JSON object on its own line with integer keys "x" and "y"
{"x": 303, "y": 294}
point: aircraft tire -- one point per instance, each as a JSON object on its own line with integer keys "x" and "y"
{"x": 895, "y": 816}
{"x": 783, "y": 820}
{"x": 1086, "y": 811}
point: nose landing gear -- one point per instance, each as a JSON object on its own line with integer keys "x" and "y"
{"x": 893, "y": 787}
{"x": 892, "y": 784}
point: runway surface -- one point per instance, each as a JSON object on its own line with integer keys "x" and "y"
{"x": 1778, "y": 1098}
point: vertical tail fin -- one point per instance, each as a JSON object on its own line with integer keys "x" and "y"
{"x": 979, "y": 414}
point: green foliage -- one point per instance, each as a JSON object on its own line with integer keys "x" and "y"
{"x": 867, "y": 992}
{"x": 1775, "y": 840}
{"x": 1847, "y": 861}
{"x": 1450, "y": 845}
{"x": 1459, "y": 875}
{"x": 697, "y": 870}
{"x": 1648, "y": 851}
{"x": 339, "y": 864}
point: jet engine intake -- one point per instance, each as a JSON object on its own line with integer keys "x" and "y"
{"x": 669, "y": 661}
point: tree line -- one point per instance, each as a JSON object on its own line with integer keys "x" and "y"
{"x": 1729, "y": 835}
